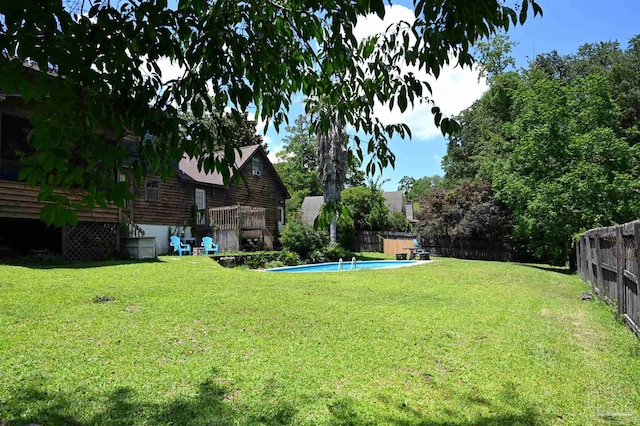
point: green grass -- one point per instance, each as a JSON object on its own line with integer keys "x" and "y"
{"x": 186, "y": 342}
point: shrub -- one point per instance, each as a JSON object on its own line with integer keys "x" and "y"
{"x": 335, "y": 253}
{"x": 346, "y": 231}
{"x": 316, "y": 256}
{"x": 274, "y": 264}
{"x": 301, "y": 238}
{"x": 398, "y": 222}
{"x": 256, "y": 261}
{"x": 289, "y": 258}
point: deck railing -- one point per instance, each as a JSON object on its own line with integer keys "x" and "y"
{"x": 232, "y": 218}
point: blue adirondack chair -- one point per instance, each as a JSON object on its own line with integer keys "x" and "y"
{"x": 209, "y": 245}
{"x": 419, "y": 249}
{"x": 178, "y": 246}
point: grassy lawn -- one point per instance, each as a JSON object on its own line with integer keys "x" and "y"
{"x": 186, "y": 342}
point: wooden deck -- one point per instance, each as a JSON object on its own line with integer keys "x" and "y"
{"x": 234, "y": 218}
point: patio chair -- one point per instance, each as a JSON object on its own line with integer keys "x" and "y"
{"x": 209, "y": 245}
{"x": 419, "y": 249}
{"x": 178, "y": 246}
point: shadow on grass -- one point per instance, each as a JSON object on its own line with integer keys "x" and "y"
{"x": 80, "y": 265}
{"x": 214, "y": 403}
{"x": 373, "y": 256}
{"x": 548, "y": 268}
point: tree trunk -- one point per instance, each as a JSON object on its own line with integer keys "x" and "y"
{"x": 333, "y": 230}
{"x": 331, "y": 155}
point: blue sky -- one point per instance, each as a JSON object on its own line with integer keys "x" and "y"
{"x": 566, "y": 25}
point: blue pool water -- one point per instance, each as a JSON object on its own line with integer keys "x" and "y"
{"x": 346, "y": 266}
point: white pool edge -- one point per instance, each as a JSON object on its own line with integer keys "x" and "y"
{"x": 347, "y": 266}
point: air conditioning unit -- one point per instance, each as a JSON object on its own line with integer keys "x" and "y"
{"x": 256, "y": 172}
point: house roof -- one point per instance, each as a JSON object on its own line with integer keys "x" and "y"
{"x": 394, "y": 200}
{"x": 188, "y": 167}
{"x": 311, "y": 205}
{"x": 311, "y": 208}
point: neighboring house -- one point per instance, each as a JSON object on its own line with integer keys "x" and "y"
{"x": 394, "y": 200}
{"x": 183, "y": 204}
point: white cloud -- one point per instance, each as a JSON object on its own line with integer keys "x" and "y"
{"x": 454, "y": 90}
{"x": 274, "y": 148}
{"x": 170, "y": 70}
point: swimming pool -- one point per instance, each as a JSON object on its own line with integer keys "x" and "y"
{"x": 346, "y": 266}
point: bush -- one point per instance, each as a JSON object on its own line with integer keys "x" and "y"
{"x": 316, "y": 256}
{"x": 301, "y": 238}
{"x": 335, "y": 253}
{"x": 346, "y": 231}
{"x": 256, "y": 261}
{"x": 398, "y": 222}
{"x": 289, "y": 258}
{"x": 274, "y": 264}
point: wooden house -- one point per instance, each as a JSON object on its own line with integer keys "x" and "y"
{"x": 193, "y": 204}
{"x": 21, "y": 230}
{"x": 180, "y": 205}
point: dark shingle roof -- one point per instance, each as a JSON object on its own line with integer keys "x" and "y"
{"x": 311, "y": 208}
{"x": 311, "y": 205}
{"x": 189, "y": 167}
{"x": 394, "y": 200}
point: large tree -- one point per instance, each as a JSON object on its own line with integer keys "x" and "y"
{"x": 298, "y": 166}
{"x": 243, "y": 130}
{"x": 104, "y": 76}
{"x": 559, "y": 144}
{"x": 332, "y": 158}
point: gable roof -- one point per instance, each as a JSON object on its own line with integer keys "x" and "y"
{"x": 188, "y": 167}
{"x": 394, "y": 200}
{"x": 311, "y": 205}
{"x": 311, "y": 208}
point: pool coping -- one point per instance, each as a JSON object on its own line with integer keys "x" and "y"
{"x": 347, "y": 266}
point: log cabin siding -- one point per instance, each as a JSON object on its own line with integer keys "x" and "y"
{"x": 172, "y": 207}
{"x": 19, "y": 201}
{"x": 259, "y": 191}
{"x": 177, "y": 195}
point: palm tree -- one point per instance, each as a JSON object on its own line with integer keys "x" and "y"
{"x": 332, "y": 160}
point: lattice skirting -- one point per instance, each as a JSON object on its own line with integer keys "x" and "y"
{"x": 90, "y": 241}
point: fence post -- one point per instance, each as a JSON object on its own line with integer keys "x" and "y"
{"x": 579, "y": 256}
{"x": 590, "y": 277}
{"x": 599, "y": 278}
{"x": 620, "y": 266}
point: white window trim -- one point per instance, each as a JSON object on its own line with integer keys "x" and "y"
{"x": 201, "y": 218}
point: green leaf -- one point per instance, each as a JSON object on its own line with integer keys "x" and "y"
{"x": 523, "y": 11}
{"x": 402, "y": 99}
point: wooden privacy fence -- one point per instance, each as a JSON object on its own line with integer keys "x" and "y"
{"x": 608, "y": 258}
{"x": 375, "y": 240}
{"x": 395, "y": 246}
{"x": 468, "y": 248}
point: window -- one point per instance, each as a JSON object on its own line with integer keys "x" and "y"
{"x": 122, "y": 177}
{"x": 153, "y": 190}
{"x": 256, "y": 166}
{"x": 280, "y": 218}
{"x": 201, "y": 206}
{"x": 13, "y": 139}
